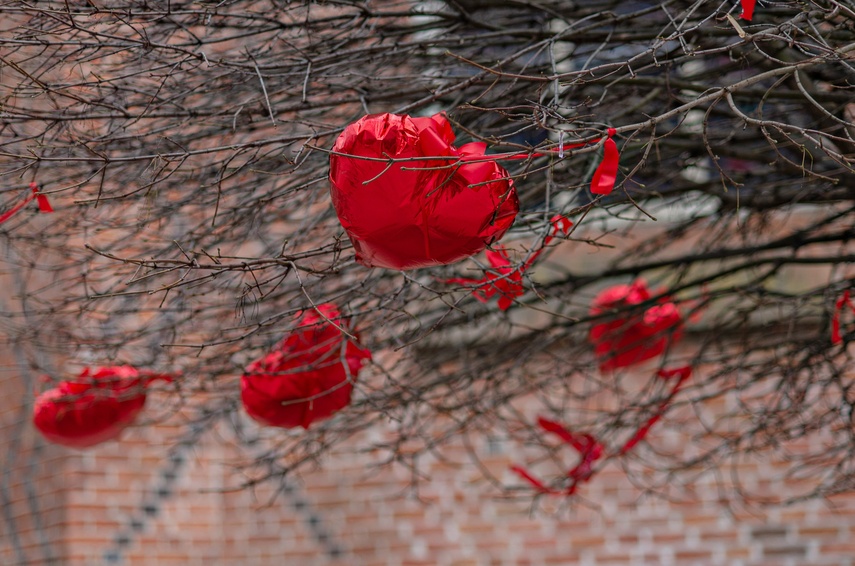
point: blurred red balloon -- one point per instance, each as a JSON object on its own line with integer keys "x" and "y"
{"x": 417, "y": 213}
{"x": 635, "y": 336}
{"x": 310, "y": 375}
{"x": 93, "y": 408}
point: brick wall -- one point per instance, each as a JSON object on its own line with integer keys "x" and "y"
{"x": 165, "y": 495}
{"x": 33, "y": 492}
{"x": 159, "y": 498}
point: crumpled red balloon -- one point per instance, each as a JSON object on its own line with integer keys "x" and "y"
{"x": 633, "y": 337}
{"x": 95, "y": 407}
{"x": 417, "y": 212}
{"x": 310, "y": 375}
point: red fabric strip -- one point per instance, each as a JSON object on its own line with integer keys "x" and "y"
{"x": 748, "y": 9}
{"x": 603, "y": 181}
{"x": 507, "y": 280}
{"x": 682, "y": 374}
{"x": 559, "y": 224}
{"x": 562, "y": 433}
{"x": 589, "y": 449}
{"x": 844, "y": 300}
{"x": 44, "y": 205}
{"x": 539, "y": 485}
{"x": 640, "y": 433}
{"x": 12, "y": 211}
{"x": 584, "y": 470}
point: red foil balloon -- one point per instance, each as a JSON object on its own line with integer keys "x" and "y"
{"x": 417, "y": 212}
{"x": 634, "y": 337}
{"x": 94, "y": 408}
{"x": 309, "y": 377}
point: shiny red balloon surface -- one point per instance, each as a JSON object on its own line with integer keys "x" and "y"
{"x": 308, "y": 377}
{"x": 94, "y": 408}
{"x": 417, "y": 213}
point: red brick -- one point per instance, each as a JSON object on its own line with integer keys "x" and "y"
{"x": 784, "y": 551}
{"x": 703, "y": 555}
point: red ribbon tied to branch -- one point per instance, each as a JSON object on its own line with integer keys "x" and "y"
{"x": 590, "y": 449}
{"x": 603, "y": 181}
{"x": 605, "y": 176}
{"x": 681, "y": 374}
{"x": 748, "y": 9}
{"x": 844, "y": 300}
{"x": 42, "y": 200}
{"x": 504, "y": 279}
{"x": 94, "y": 407}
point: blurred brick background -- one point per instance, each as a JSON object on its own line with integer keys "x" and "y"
{"x": 149, "y": 500}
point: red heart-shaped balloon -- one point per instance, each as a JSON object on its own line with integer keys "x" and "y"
{"x": 309, "y": 377}
{"x": 636, "y": 337}
{"x": 417, "y": 212}
{"x": 93, "y": 408}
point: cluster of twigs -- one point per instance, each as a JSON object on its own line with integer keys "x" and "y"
{"x": 184, "y": 148}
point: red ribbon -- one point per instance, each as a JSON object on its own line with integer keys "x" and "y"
{"x": 682, "y": 374}
{"x": 505, "y": 280}
{"x": 539, "y": 485}
{"x": 844, "y": 300}
{"x": 42, "y": 200}
{"x": 603, "y": 181}
{"x": 589, "y": 447}
{"x": 747, "y": 9}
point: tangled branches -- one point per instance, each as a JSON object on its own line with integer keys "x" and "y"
{"x": 185, "y": 146}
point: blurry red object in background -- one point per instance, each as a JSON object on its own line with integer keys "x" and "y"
{"x": 635, "y": 336}
{"x": 93, "y": 408}
{"x": 310, "y": 375}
